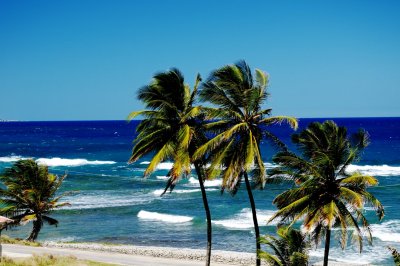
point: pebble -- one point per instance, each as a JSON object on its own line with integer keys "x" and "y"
{"x": 226, "y": 257}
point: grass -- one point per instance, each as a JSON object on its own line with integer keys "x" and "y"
{"x": 8, "y": 240}
{"x": 50, "y": 260}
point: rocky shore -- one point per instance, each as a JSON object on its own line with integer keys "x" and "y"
{"x": 218, "y": 256}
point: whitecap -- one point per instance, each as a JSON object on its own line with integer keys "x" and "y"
{"x": 168, "y": 218}
{"x": 165, "y": 166}
{"x": 244, "y": 219}
{"x": 106, "y": 199}
{"x": 208, "y": 183}
{"x": 158, "y": 192}
{"x": 388, "y": 231}
{"x": 375, "y": 170}
{"x": 372, "y": 254}
{"x": 56, "y": 161}
{"x": 11, "y": 159}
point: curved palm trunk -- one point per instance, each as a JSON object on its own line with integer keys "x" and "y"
{"x": 207, "y": 209}
{"x": 253, "y": 210}
{"x": 37, "y": 226}
{"x": 327, "y": 243}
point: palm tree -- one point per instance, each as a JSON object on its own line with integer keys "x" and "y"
{"x": 395, "y": 255}
{"x": 30, "y": 190}
{"x": 326, "y": 196}
{"x": 291, "y": 249}
{"x": 239, "y": 127}
{"x": 172, "y": 130}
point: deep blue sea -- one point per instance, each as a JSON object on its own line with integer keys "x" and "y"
{"x": 114, "y": 203}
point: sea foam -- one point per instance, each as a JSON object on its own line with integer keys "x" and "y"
{"x": 371, "y": 254}
{"x": 168, "y": 218}
{"x": 388, "y": 231}
{"x": 375, "y": 170}
{"x": 244, "y": 219}
{"x": 10, "y": 159}
{"x": 208, "y": 183}
{"x": 56, "y": 161}
{"x": 96, "y": 199}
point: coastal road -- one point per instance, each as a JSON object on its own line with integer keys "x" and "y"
{"x": 100, "y": 256}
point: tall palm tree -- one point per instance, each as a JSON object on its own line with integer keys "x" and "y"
{"x": 31, "y": 190}
{"x": 172, "y": 130}
{"x": 240, "y": 125}
{"x": 290, "y": 249}
{"x": 326, "y": 196}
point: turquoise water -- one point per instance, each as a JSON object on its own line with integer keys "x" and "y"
{"x": 113, "y": 203}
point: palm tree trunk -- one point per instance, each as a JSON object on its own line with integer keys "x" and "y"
{"x": 37, "y": 226}
{"x": 207, "y": 209}
{"x": 253, "y": 210}
{"x": 327, "y": 243}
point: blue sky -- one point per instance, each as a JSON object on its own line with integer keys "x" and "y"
{"x": 85, "y": 60}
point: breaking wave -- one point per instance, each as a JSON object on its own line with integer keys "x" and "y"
{"x": 375, "y": 170}
{"x": 56, "y": 161}
{"x": 244, "y": 220}
{"x": 388, "y": 231}
{"x": 168, "y": 218}
{"x": 10, "y": 159}
{"x": 70, "y": 162}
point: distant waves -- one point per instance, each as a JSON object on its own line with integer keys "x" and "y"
{"x": 56, "y": 161}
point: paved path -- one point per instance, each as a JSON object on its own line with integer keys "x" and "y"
{"x": 119, "y": 259}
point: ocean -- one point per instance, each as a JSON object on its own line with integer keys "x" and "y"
{"x": 113, "y": 203}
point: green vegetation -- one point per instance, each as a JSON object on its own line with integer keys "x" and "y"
{"x": 172, "y": 128}
{"x": 50, "y": 260}
{"x": 8, "y": 240}
{"x": 395, "y": 255}
{"x": 239, "y": 127}
{"x": 326, "y": 195}
{"x": 30, "y": 192}
{"x": 290, "y": 249}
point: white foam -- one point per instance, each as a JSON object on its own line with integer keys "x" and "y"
{"x": 388, "y": 231}
{"x": 162, "y": 177}
{"x": 371, "y": 254}
{"x": 375, "y": 170}
{"x": 168, "y": 218}
{"x": 270, "y": 165}
{"x": 160, "y": 166}
{"x": 56, "y": 161}
{"x": 158, "y": 192}
{"x": 106, "y": 199}
{"x": 244, "y": 219}
{"x": 208, "y": 183}
{"x": 10, "y": 159}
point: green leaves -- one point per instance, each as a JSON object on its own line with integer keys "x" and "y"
{"x": 30, "y": 189}
{"x": 395, "y": 255}
{"x": 172, "y": 125}
{"x": 290, "y": 249}
{"x": 241, "y": 123}
{"x": 327, "y": 196}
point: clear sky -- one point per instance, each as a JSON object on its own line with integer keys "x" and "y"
{"x": 86, "y": 59}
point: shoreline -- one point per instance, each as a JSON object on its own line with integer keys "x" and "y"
{"x": 182, "y": 254}
{"x": 217, "y": 256}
